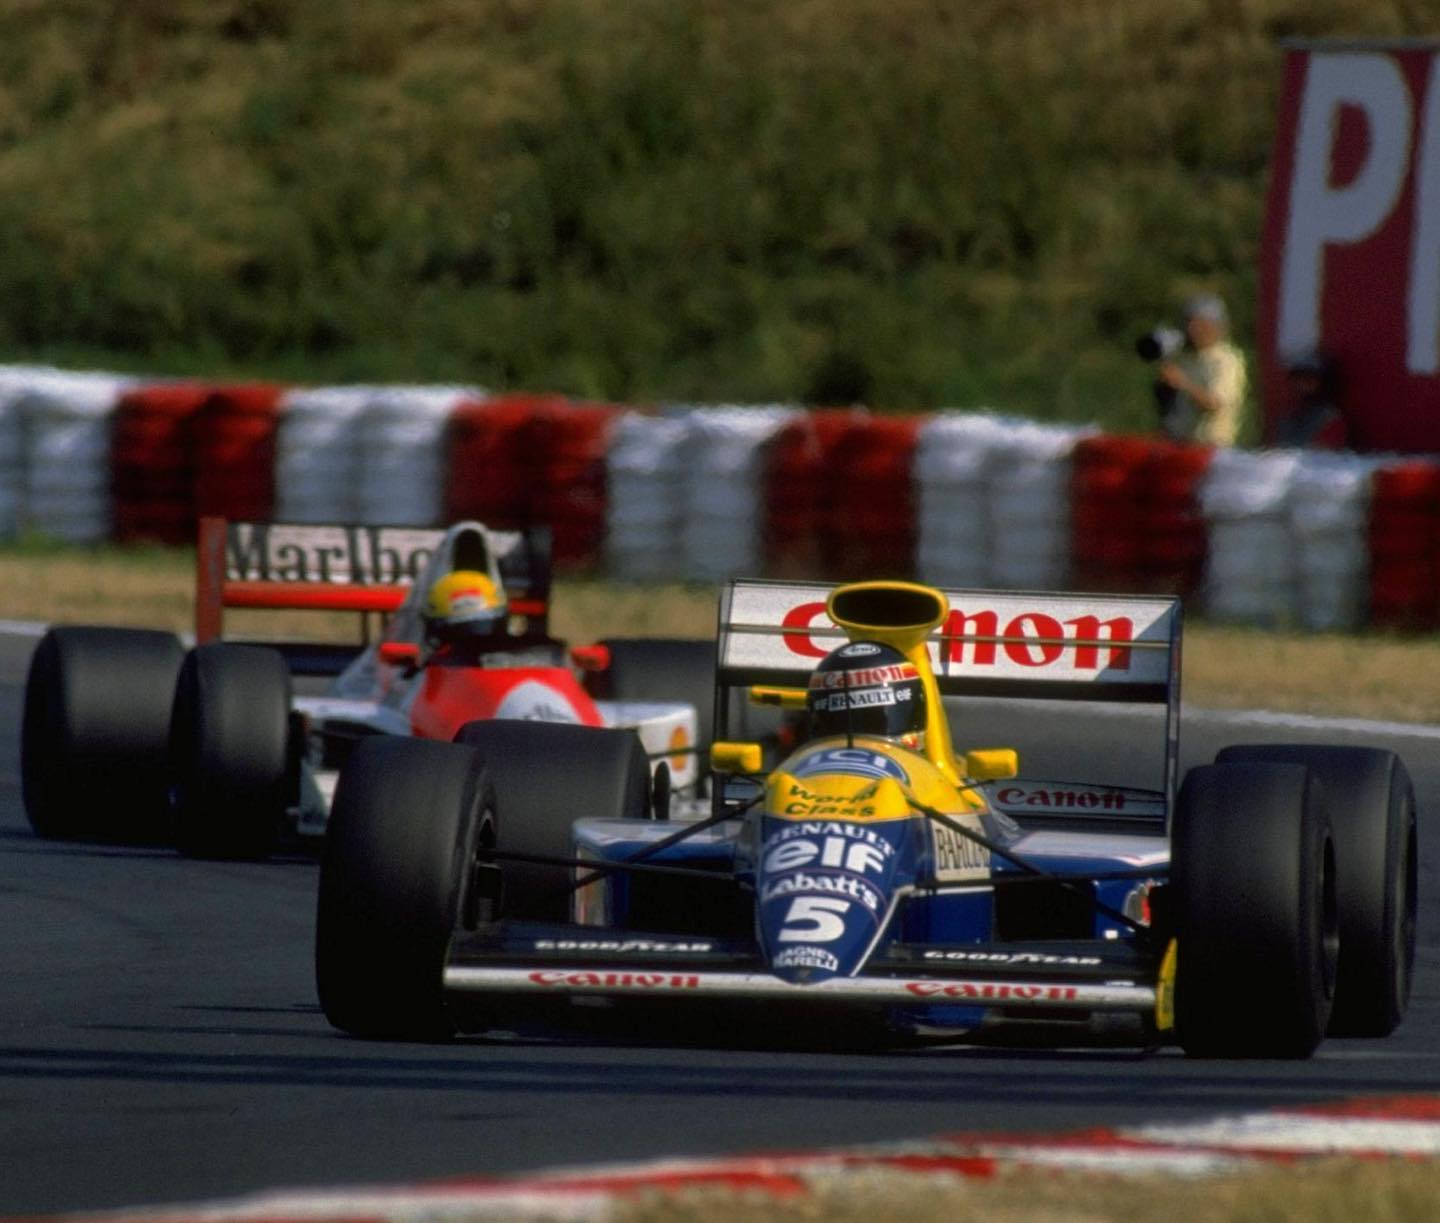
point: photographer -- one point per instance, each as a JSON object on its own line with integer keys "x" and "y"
{"x": 1200, "y": 383}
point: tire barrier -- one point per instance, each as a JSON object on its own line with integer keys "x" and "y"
{"x": 518, "y": 460}
{"x": 1330, "y": 508}
{"x": 400, "y": 455}
{"x": 720, "y": 534}
{"x": 954, "y": 455}
{"x": 14, "y": 382}
{"x": 994, "y": 498}
{"x": 872, "y": 527}
{"x": 801, "y": 494}
{"x": 1323, "y": 540}
{"x": 490, "y": 468}
{"x": 1136, "y": 522}
{"x": 317, "y": 454}
{"x": 839, "y": 499}
{"x": 1250, "y": 572}
{"x": 65, "y": 424}
{"x": 645, "y": 497}
{"x": 1402, "y": 540}
{"x": 568, "y": 488}
{"x": 152, "y": 463}
{"x": 1030, "y": 507}
{"x": 235, "y": 452}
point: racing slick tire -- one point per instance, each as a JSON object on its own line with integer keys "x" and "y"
{"x": 1371, "y": 802}
{"x": 547, "y": 775}
{"x": 397, "y": 877}
{"x": 1256, "y": 912}
{"x": 94, "y": 732}
{"x": 230, "y": 751}
{"x": 678, "y": 669}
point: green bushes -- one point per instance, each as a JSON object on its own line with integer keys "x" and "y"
{"x": 906, "y": 202}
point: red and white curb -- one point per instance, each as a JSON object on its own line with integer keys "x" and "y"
{"x": 1405, "y": 1127}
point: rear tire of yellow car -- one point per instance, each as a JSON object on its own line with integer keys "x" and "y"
{"x": 93, "y": 735}
{"x": 1256, "y": 914}
{"x": 1371, "y": 802}
{"x": 406, "y": 832}
{"x": 230, "y": 751}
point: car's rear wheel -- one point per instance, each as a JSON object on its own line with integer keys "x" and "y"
{"x": 229, "y": 750}
{"x": 397, "y": 878}
{"x": 1371, "y": 804}
{"x": 1256, "y": 913}
{"x": 660, "y": 669}
{"x": 94, "y": 731}
{"x": 546, "y": 776}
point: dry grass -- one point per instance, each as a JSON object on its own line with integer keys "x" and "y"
{"x": 1371, "y": 675}
{"x": 1330, "y": 1192}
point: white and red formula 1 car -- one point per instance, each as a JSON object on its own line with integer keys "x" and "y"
{"x": 126, "y": 735}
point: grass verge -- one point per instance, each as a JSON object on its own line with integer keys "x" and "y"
{"x": 900, "y": 202}
{"x": 1371, "y": 675}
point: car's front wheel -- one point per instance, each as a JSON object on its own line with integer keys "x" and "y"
{"x": 1256, "y": 911}
{"x": 402, "y": 853}
{"x": 546, "y": 776}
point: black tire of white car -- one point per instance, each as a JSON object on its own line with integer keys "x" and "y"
{"x": 94, "y": 732}
{"x": 661, "y": 669}
{"x": 1256, "y": 913}
{"x": 229, "y": 751}
{"x": 1371, "y": 802}
{"x": 399, "y": 862}
{"x": 546, "y": 776}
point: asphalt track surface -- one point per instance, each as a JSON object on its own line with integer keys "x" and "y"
{"x": 160, "y": 1040}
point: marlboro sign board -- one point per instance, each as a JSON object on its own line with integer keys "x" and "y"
{"x": 1351, "y": 255}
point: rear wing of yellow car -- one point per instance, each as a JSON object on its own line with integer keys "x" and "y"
{"x": 1021, "y": 645}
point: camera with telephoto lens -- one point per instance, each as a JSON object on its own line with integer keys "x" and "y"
{"x": 1160, "y": 344}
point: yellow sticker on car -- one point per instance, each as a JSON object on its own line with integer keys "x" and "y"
{"x": 1165, "y": 990}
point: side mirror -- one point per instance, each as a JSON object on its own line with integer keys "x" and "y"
{"x": 590, "y": 658}
{"x": 736, "y": 757}
{"x": 402, "y": 654}
{"x": 991, "y": 764}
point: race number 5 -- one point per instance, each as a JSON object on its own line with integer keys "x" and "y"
{"x": 814, "y": 919}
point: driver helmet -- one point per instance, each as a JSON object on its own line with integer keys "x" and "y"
{"x": 465, "y": 605}
{"x": 868, "y": 688}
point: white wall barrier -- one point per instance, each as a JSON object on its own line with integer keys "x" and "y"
{"x": 954, "y": 453}
{"x": 317, "y": 456}
{"x": 1288, "y": 531}
{"x": 400, "y": 462}
{"x": 65, "y": 424}
{"x": 1250, "y": 571}
{"x": 370, "y": 454}
{"x": 724, "y": 505}
{"x": 1329, "y": 529}
{"x": 647, "y": 480}
{"x": 15, "y": 383}
{"x": 993, "y": 497}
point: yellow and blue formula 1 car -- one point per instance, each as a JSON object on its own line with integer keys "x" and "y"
{"x": 875, "y": 877}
